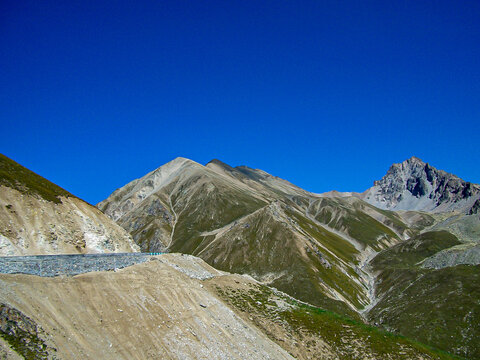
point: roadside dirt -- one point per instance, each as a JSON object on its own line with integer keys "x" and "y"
{"x": 155, "y": 310}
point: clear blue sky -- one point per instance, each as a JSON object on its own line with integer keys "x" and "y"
{"x": 326, "y": 94}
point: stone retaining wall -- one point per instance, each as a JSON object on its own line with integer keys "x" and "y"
{"x": 69, "y": 265}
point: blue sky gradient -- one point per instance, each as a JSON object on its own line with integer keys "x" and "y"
{"x": 326, "y": 94}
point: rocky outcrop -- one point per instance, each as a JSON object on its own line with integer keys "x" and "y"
{"x": 475, "y": 209}
{"x": 416, "y": 185}
{"x": 23, "y": 335}
{"x": 466, "y": 254}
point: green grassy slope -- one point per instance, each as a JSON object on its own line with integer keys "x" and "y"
{"x": 354, "y": 218}
{"x": 437, "y": 307}
{"x": 265, "y": 247}
{"x": 203, "y": 205}
{"x": 414, "y": 250}
{"x": 320, "y": 334}
{"x": 20, "y": 178}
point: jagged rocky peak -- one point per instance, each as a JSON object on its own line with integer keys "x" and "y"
{"x": 416, "y": 185}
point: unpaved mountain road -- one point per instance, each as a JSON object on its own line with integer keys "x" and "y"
{"x": 70, "y": 265}
{"x": 160, "y": 308}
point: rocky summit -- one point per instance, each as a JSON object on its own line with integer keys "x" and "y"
{"x": 415, "y": 185}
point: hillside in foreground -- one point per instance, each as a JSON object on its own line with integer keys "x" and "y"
{"x": 178, "y": 307}
{"x": 39, "y": 217}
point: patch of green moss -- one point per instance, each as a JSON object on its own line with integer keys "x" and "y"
{"x": 29, "y": 346}
{"x": 22, "y": 334}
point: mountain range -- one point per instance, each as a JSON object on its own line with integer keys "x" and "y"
{"x": 319, "y": 248}
{"x": 403, "y": 255}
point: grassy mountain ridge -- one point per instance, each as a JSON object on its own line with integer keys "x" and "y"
{"x": 26, "y": 181}
{"x": 443, "y": 302}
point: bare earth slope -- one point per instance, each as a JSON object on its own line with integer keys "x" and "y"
{"x": 159, "y": 309}
{"x": 178, "y": 307}
{"x": 38, "y": 217}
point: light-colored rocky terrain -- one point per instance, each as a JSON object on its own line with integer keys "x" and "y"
{"x": 30, "y": 225}
{"x": 177, "y": 307}
{"x": 39, "y": 217}
{"x": 155, "y": 310}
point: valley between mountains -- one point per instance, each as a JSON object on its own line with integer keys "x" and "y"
{"x": 391, "y": 273}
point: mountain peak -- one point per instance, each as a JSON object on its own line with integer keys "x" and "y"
{"x": 414, "y": 159}
{"x": 180, "y": 159}
{"x": 415, "y": 185}
{"x": 220, "y": 166}
{"x": 218, "y": 162}
{"x": 175, "y": 164}
{"x": 409, "y": 163}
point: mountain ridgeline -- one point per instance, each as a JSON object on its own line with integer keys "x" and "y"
{"x": 328, "y": 250}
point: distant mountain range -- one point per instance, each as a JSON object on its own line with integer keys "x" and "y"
{"x": 403, "y": 255}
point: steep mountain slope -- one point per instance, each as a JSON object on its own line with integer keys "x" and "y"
{"x": 430, "y": 299}
{"x": 415, "y": 185}
{"x": 159, "y": 309}
{"x": 38, "y": 217}
{"x": 178, "y": 307}
{"x": 246, "y": 221}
